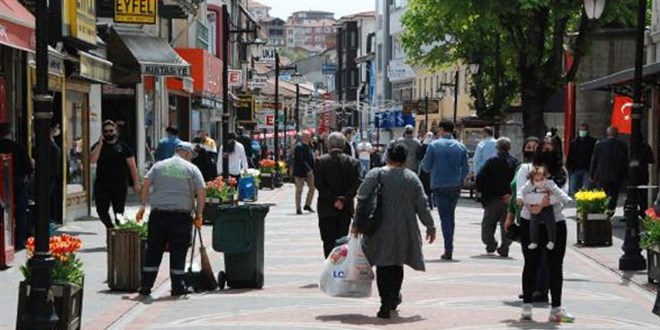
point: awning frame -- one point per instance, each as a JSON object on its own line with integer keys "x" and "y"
{"x": 621, "y": 82}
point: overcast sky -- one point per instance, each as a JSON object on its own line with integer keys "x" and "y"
{"x": 284, "y": 8}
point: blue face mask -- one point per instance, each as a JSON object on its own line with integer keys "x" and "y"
{"x": 582, "y": 133}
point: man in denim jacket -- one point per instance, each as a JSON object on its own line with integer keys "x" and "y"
{"x": 447, "y": 161}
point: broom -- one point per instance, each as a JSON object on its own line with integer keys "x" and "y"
{"x": 208, "y": 279}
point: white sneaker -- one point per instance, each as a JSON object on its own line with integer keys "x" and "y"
{"x": 560, "y": 315}
{"x": 532, "y": 246}
{"x": 526, "y": 313}
{"x": 550, "y": 245}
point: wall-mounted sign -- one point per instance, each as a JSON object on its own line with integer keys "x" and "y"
{"x": 136, "y": 11}
{"x": 79, "y": 20}
{"x": 399, "y": 70}
{"x": 235, "y": 77}
{"x": 166, "y": 70}
{"x": 419, "y": 106}
{"x": 258, "y": 82}
{"x": 94, "y": 68}
{"x": 244, "y": 108}
{"x": 188, "y": 85}
{"x": 329, "y": 69}
{"x": 267, "y": 55}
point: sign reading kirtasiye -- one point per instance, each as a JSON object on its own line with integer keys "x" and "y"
{"x": 136, "y": 11}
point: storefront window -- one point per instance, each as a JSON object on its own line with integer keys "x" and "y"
{"x": 76, "y": 141}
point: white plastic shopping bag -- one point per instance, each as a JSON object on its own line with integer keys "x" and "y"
{"x": 334, "y": 280}
{"x": 358, "y": 267}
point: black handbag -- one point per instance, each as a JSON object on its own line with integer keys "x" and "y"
{"x": 370, "y": 211}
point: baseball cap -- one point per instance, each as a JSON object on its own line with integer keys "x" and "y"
{"x": 187, "y": 146}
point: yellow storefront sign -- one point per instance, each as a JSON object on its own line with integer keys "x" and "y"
{"x": 79, "y": 18}
{"x": 136, "y": 11}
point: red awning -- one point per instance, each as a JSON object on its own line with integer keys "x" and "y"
{"x": 16, "y": 26}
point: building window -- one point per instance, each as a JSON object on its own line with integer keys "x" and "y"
{"x": 380, "y": 58}
{"x": 353, "y": 39}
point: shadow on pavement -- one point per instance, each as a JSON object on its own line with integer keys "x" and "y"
{"x": 309, "y": 286}
{"x": 359, "y": 319}
{"x": 94, "y": 250}
{"x": 524, "y": 324}
{"x": 441, "y": 260}
{"x": 77, "y": 233}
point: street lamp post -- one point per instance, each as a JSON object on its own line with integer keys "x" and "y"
{"x": 226, "y": 32}
{"x": 296, "y": 78}
{"x": 632, "y": 258}
{"x": 40, "y": 313}
{"x": 454, "y": 85}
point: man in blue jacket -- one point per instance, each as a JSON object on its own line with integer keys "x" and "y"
{"x": 447, "y": 161}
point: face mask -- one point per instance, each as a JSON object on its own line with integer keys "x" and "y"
{"x": 582, "y": 133}
{"x": 57, "y": 132}
{"x": 538, "y": 184}
{"x": 109, "y": 137}
{"x": 528, "y": 155}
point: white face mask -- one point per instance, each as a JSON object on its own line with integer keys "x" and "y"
{"x": 582, "y": 133}
{"x": 57, "y": 132}
{"x": 539, "y": 184}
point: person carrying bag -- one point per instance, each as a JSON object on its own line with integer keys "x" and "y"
{"x": 402, "y": 201}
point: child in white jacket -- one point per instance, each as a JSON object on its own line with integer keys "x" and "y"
{"x": 535, "y": 189}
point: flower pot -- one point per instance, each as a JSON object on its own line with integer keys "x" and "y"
{"x": 279, "y": 180}
{"x": 267, "y": 180}
{"x": 125, "y": 259}
{"x": 653, "y": 257}
{"x": 68, "y": 302}
{"x": 594, "y": 229}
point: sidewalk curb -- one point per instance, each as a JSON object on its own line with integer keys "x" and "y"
{"x": 626, "y": 276}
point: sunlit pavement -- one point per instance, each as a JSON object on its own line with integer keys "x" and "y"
{"x": 474, "y": 291}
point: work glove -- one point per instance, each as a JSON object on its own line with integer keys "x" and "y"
{"x": 198, "y": 221}
{"x": 140, "y": 214}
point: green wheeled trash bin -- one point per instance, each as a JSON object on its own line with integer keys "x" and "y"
{"x": 238, "y": 232}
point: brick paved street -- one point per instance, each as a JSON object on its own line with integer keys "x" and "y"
{"x": 472, "y": 292}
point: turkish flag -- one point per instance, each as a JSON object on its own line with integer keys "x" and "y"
{"x": 622, "y": 113}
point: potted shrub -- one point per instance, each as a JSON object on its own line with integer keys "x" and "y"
{"x": 218, "y": 192}
{"x": 126, "y": 254}
{"x": 283, "y": 170}
{"x": 67, "y": 281}
{"x": 593, "y": 224}
{"x": 267, "y": 173}
{"x": 651, "y": 242}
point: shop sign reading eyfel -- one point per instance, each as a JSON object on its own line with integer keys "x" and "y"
{"x": 136, "y": 11}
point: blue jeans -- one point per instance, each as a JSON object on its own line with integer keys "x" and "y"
{"x": 578, "y": 179}
{"x": 364, "y": 167}
{"x": 446, "y": 201}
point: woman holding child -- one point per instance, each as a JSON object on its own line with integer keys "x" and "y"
{"x": 547, "y": 156}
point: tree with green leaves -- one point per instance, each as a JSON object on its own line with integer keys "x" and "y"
{"x": 519, "y": 45}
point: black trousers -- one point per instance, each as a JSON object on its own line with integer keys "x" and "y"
{"x": 332, "y": 229}
{"x": 612, "y": 190}
{"x": 555, "y": 260}
{"x": 106, "y": 194}
{"x": 166, "y": 227}
{"x": 389, "y": 280}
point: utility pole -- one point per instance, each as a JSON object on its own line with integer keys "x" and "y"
{"x": 40, "y": 313}
{"x": 276, "y": 138}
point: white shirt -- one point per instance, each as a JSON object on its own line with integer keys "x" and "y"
{"x": 237, "y": 160}
{"x": 364, "y": 150}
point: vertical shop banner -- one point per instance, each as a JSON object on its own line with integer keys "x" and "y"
{"x": 622, "y": 113}
{"x": 79, "y": 20}
{"x": 136, "y": 11}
